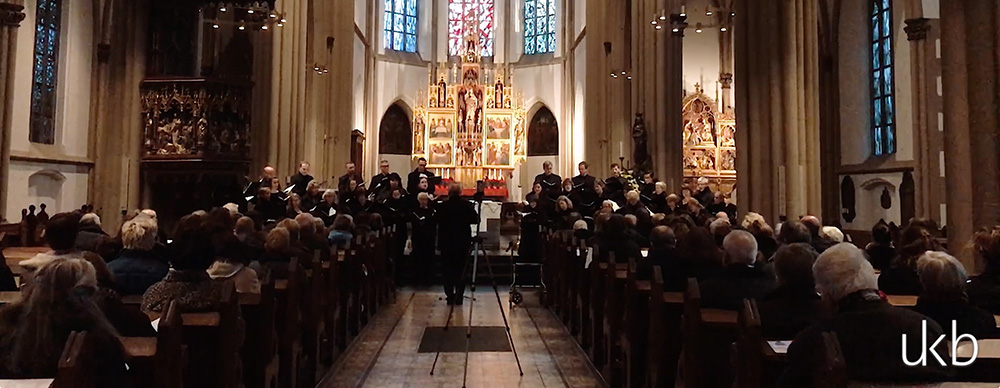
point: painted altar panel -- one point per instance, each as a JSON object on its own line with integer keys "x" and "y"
{"x": 709, "y": 139}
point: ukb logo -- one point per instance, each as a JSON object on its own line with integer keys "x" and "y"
{"x": 955, "y": 339}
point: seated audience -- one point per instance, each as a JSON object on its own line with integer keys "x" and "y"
{"x": 720, "y": 228}
{"x": 901, "y": 277}
{"x": 581, "y": 230}
{"x": 187, "y": 282}
{"x": 868, "y": 328}
{"x": 944, "y": 298}
{"x": 984, "y": 290}
{"x": 740, "y": 278}
{"x": 613, "y": 238}
{"x": 561, "y": 218}
{"x": 34, "y": 330}
{"x": 880, "y": 251}
{"x": 138, "y": 267}
{"x": 60, "y": 235}
{"x": 697, "y": 250}
{"x": 7, "y": 281}
{"x": 794, "y": 304}
{"x": 663, "y": 253}
{"x": 277, "y": 247}
{"x": 231, "y": 264}
{"x": 90, "y": 234}
{"x": 342, "y": 232}
{"x": 792, "y": 232}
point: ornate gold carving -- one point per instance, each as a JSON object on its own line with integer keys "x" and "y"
{"x": 916, "y": 29}
{"x": 726, "y": 80}
{"x": 11, "y": 14}
{"x": 195, "y": 118}
{"x": 709, "y": 139}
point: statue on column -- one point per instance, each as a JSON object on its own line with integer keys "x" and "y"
{"x": 640, "y": 154}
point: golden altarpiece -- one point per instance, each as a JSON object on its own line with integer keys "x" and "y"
{"x": 470, "y": 125}
{"x": 709, "y": 141}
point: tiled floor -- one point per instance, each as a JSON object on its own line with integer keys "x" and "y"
{"x": 385, "y": 356}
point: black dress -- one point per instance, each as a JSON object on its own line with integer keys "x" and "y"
{"x": 423, "y": 227}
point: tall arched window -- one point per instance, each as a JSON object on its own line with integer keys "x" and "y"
{"x": 401, "y": 25}
{"x": 543, "y": 134}
{"x": 539, "y": 26}
{"x": 479, "y": 11}
{"x": 394, "y": 137}
{"x": 46, "y": 70}
{"x": 883, "y": 108}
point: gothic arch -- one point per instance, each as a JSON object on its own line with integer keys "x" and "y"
{"x": 394, "y": 137}
{"x": 543, "y": 133}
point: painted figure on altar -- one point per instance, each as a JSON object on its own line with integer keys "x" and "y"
{"x": 441, "y": 153}
{"x": 442, "y": 129}
{"x": 498, "y": 128}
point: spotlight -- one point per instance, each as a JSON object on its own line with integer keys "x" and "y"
{"x": 283, "y": 20}
{"x": 263, "y": 28}
{"x": 676, "y": 30}
{"x": 708, "y": 13}
{"x": 250, "y": 11}
{"x": 663, "y": 17}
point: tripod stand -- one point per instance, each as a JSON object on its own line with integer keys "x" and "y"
{"x": 476, "y": 249}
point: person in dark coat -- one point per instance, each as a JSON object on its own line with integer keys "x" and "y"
{"x": 266, "y": 176}
{"x": 944, "y": 299}
{"x": 794, "y": 305}
{"x": 662, "y": 253}
{"x": 901, "y": 277}
{"x": 612, "y": 239}
{"x": 614, "y": 186}
{"x": 90, "y": 235}
{"x": 312, "y": 197}
{"x": 583, "y": 185}
{"x": 380, "y": 182}
{"x": 269, "y": 205}
{"x": 423, "y": 237}
{"x": 455, "y": 217}
{"x": 328, "y": 209}
{"x": 530, "y": 245}
{"x": 344, "y": 182}
{"x": 984, "y": 290}
{"x": 413, "y": 179}
{"x": 868, "y": 328}
{"x": 138, "y": 267}
{"x": 880, "y": 251}
{"x": 550, "y": 182}
{"x": 740, "y": 278}
{"x": 704, "y": 193}
{"x": 7, "y": 282}
{"x": 300, "y": 181}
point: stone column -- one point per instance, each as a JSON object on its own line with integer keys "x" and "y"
{"x": 916, "y": 33}
{"x": 11, "y": 15}
{"x": 672, "y": 139}
{"x": 969, "y": 57}
{"x": 777, "y": 71}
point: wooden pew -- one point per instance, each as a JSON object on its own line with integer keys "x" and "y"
{"x": 213, "y": 340}
{"x": 73, "y": 370}
{"x": 634, "y": 338}
{"x": 158, "y": 361}
{"x": 748, "y": 352}
{"x": 596, "y": 311}
{"x": 314, "y": 336}
{"x": 708, "y": 335}
{"x": 664, "y": 338}
{"x": 336, "y": 312}
{"x": 288, "y": 295}
{"x": 583, "y": 295}
{"x": 615, "y": 276}
{"x": 260, "y": 347}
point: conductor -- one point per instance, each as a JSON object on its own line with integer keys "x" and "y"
{"x": 455, "y": 217}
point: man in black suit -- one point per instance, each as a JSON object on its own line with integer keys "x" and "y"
{"x": 413, "y": 179}
{"x": 455, "y": 217}
{"x": 264, "y": 181}
{"x": 869, "y": 329}
{"x": 740, "y": 279}
{"x": 301, "y": 179}
{"x": 380, "y": 182}
{"x": 663, "y": 253}
{"x": 614, "y": 186}
{"x": 550, "y": 184}
{"x": 344, "y": 182}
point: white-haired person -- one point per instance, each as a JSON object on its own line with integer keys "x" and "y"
{"x": 90, "y": 234}
{"x": 740, "y": 277}
{"x": 945, "y": 299}
{"x": 657, "y": 201}
{"x": 327, "y": 209}
{"x": 758, "y": 227}
{"x": 138, "y": 266}
{"x": 870, "y": 330}
{"x": 703, "y": 192}
{"x": 794, "y": 304}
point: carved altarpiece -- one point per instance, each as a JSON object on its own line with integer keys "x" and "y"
{"x": 709, "y": 137}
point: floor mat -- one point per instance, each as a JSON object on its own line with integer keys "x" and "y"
{"x": 483, "y": 339}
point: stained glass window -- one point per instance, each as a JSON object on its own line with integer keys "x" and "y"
{"x": 883, "y": 109}
{"x": 401, "y": 25}
{"x": 478, "y": 11}
{"x": 539, "y": 26}
{"x": 43, "y": 89}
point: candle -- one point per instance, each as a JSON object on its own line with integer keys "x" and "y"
{"x": 621, "y": 148}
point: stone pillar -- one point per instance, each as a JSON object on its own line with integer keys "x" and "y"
{"x": 969, "y": 57}
{"x": 672, "y": 139}
{"x": 11, "y": 15}
{"x": 916, "y": 33}
{"x": 777, "y": 94}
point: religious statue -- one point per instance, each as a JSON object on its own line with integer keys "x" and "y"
{"x": 640, "y": 153}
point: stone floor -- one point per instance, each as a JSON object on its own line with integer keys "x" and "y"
{"x": 385, "y": 355}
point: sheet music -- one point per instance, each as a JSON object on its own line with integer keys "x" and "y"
{"x": 288, "y": 189}
{"x": 156, "y": 324}
{"x": 779, "y": 347}
{"x": 590, "y": 258}
{"x": 332, "y": 212}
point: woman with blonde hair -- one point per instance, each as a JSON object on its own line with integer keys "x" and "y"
{"x": 34, "y": 330}
{"x": 137, "y": 266}
{"x": 944, "y": 299}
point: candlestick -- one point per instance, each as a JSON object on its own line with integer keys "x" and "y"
{"x": 621, "y": 148}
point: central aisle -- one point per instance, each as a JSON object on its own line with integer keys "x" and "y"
{"x": 385, "y": 356}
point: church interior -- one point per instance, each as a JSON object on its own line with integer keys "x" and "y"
{"x": 654, "y": 193}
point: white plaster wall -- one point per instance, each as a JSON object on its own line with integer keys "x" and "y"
{"x": 73, "y": 191}
{"x": 72, "y": 85}
{"x": 701, "y": 51}
{"x": 868, "y": 202}
{"x": 579, "y": 17}
{"x": 539, "y": 85}
{"x": 400, "y": 164}
{"x": 361, "y": 13}
{"x": 397, "y": 81}
{"x": 855, "y": 85}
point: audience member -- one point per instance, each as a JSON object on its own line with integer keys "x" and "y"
{"x": 231, "y": 264}
{"x": 60, "y": 235}
{"x": 612, "y": 239}
{"x": 34, "y": 330}
{"x": 343, "y": 230}
{"x": 720, "y": 228}
{"x": 944, "y": 298}
{"x": 90, "y": 234}
{"x": 867, "y": 327}
{"x": 984, "y": 290}
{"x": 901, "y": 277}
{"x": 740, "y": 278}
{"x": 663, "y": 253}
{"x": 794, "y": 232}
{"x": 794, "y": 304}
{"x": 187, "y": 282}
{"x": 138, "y": 267}
{"x": 880, "y": 251}
{"x": 698, "y": 252}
